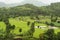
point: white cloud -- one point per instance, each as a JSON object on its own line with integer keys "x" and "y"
{"x": 49, "y": 1}
{"x": 17, "y": 1}
{"x": 11, "y": 1}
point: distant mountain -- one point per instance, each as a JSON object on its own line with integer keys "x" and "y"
{"x": 2, "y": 4}
{"x": 36, "y": 3}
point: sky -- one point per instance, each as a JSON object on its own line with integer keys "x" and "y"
{"x": 18, "y": 1}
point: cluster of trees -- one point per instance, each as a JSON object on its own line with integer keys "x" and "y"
{"x": 7, "y": 33}
{"x": 29, "y": 10}
{"x": 53, "y": 9}
{"x": 50, "y": 35}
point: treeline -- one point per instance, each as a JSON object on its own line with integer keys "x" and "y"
{"x": 53, "y": 9}
{"x": 30, "y": 10}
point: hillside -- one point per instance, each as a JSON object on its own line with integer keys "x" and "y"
{"x": 29, "y": 10}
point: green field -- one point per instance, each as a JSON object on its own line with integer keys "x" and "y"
{"x": 23, "y": 24}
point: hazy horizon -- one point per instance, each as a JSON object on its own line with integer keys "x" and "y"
{"x": 19, "y": 1}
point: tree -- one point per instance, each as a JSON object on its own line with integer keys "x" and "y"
{"x": 28, "y": 23}
{"x": 13, "y": 27}
{"x": 37, "y": 17}
{"x": 6, "y": 21}
{"x": 51, "y": 24}
{"x": 8, "y": 35}
{"x": 20, "y": 30}
{"x": 49, "y": 35}
{"x": 58, "y": 36}
{"x": 32, "y": 29}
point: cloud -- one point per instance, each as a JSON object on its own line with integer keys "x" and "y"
{"x": 49, "y": 1}
{"x": 18, "y": 1}
{"x": 11, "y": 1}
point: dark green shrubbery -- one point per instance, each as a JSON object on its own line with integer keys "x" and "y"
{"x": 49, "y": 35}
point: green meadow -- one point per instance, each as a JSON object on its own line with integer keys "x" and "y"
{"x": 22, "y": 23}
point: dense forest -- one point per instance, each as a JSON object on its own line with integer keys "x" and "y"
{"x": 29, "y": 9}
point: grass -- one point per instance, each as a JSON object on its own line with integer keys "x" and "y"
{"x": 40, "y": 24}
{"x": 2, "y": 26}
{"x": 19, "y": 24}
{"x": 23, "y": 24}
{"x": 57, "y": 30}
{"x": 38, "y": 32}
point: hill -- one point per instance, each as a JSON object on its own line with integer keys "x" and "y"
{"x": 29, "y": 10}
{"x": 36, "y": 3}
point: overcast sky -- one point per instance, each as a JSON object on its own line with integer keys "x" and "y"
{"x": 18, "y": 1}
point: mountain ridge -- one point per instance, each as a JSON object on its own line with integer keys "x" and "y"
{"x": 36, "y": 3}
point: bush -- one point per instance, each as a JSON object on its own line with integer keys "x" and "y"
{"x": 51, "y": 24}
{"x": 20, "y": 30}
{"x": 28, "y": 23}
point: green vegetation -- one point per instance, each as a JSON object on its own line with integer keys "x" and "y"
{"x": 28, "y": 22}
